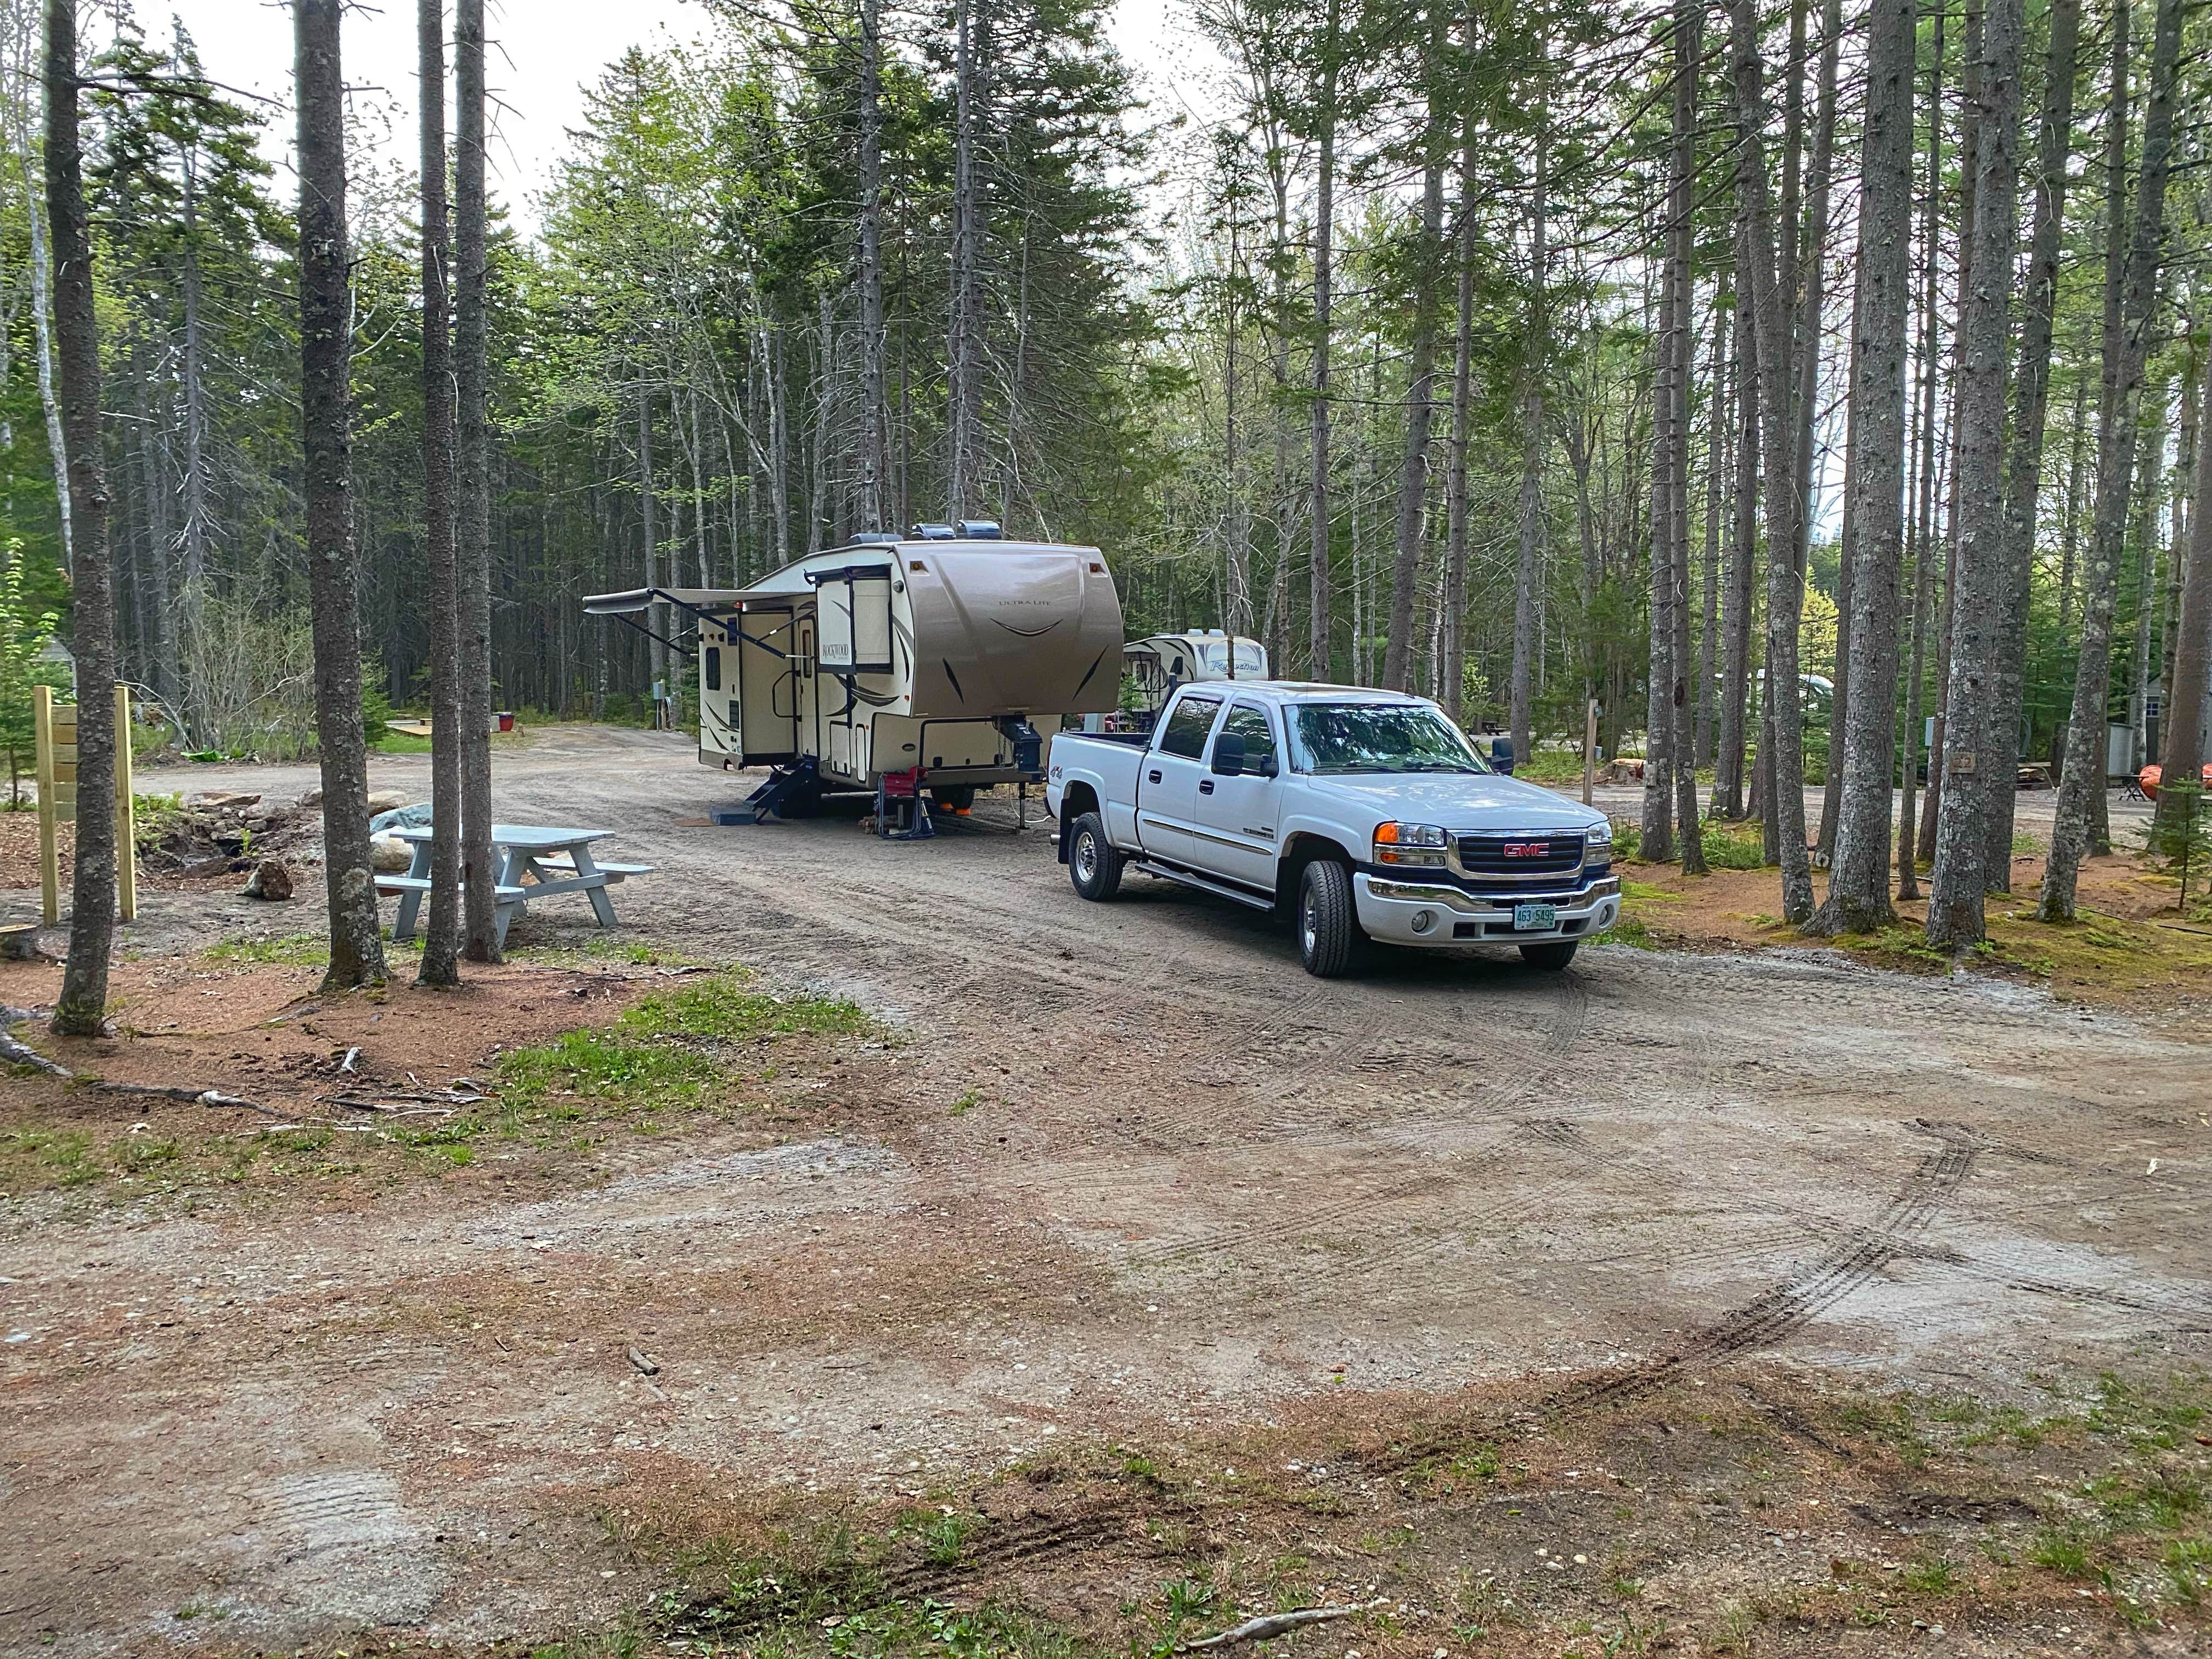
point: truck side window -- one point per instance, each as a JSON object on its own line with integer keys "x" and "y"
{"x": 1250, "y": 722}
{"x": 714, "y": 668}
{"x": 1187, "y": 728}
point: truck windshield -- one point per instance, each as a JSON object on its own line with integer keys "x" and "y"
{"x": 1378, "y": 737}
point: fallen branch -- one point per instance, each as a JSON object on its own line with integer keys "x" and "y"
{"x": 17, "y": 1054}
{"x": 1268, "y": 1627}
{"x": 183, "y": 1092}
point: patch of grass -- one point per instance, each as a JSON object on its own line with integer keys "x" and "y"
{"x": 288, "y": 951}
{"x": 967, "y": 1102}
{"x": 693, "y": 1047}
{"x": 1930, "y": 1577}
{"x": 945, "y": 1539}
{"x": 401, "y": 743}
{"x": 668, "y": 1051}
{"x": 2064, "y": 1549}
{"x": 603, "y": 946}
{"x": 1735, "y": 845}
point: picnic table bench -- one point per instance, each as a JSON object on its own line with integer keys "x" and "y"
{"x": 556, "y": 860}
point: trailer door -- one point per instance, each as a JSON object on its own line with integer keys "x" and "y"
{"x": 720, "y": 720}
{"x": 767, "y": 706}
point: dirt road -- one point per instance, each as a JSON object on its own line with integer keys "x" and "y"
{"x": 1135, "y": 1167}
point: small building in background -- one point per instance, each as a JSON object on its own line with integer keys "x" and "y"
{"x": 56, "y": 654}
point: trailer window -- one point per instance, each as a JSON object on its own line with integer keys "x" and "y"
{"x": 1187, "y": 728}
{"x": 714, "y": 668}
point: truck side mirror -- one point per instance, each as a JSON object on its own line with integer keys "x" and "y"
{"x": 1229, "y": 755}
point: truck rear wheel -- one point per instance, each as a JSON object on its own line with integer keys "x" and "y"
{"x": 1550, "y": 956}
{"x": 1329, "y": 940}
{"x": 1093, "y": 864}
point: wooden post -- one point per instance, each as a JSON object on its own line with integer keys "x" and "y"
{"x": 126, "y": 817}
{"x": 1589, "y": 751}
{"x": 42, "y": 745}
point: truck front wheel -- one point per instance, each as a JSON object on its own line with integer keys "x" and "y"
{"x": 1550, "y": 956}
{"x": 1093, "y": 864}
{"x": 1329, "y": 938}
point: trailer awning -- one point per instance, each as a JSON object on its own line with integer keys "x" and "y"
{"x": 687, "y": 599}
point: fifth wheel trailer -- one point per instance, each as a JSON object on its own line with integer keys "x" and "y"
{"x": 933, "y": 650}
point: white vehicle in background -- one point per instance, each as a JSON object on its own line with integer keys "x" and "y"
{"x": 1365, "y": 815}
{"x": 1155, "y": 664}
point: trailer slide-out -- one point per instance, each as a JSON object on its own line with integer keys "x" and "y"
{"x": 937, "y": 651}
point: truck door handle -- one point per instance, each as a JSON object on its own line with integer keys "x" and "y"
{"x": 1206, "y": 786}
{"x": 1151, "y": 777}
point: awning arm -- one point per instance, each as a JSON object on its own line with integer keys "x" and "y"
{"x": 625, "y": 619}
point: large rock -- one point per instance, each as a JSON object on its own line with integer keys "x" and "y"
{"x": 270, "y": 880}
{"x": 390, "y": 857}
{"x": 387, "y": 800}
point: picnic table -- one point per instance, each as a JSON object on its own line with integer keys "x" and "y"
{"x": 556, "y": 861}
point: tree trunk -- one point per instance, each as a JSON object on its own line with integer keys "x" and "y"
{"x": 1450, "y": 646}
{"x": 196, "y": 411}
{"x": 875, "y": 399}
{"x": 1858, "y": 883}
{"x": 2150, "y": 468}
{"x": 965, "y": 361}
{"x": 648, "y": 511}
{"x": 2081, "y": 787}
{"x": 1969, "y": 170}
{"x": 1978, "y": 576}
{"x": 2069, "y": 537}
{"x": 1657, "y": 837}
{"x": 1785, "y": 734}
{"x": 472, "y": 484}
{"x": 42, "y": 332}
{"x": 1924, "y": 524}
{"x": 441, "y": 935}
{"x": 2032, "y": 400}
{"x": 1317, "y": 615}
{"x": 2182, "y": 751}
{"x": 82, "y": 1008}
{"x": 1681, "y": 236}
{"x": 1528, "y": 570}
{"x": 1738, "y": 604}
{"x": 1236, "y": 578}
{"x": 1421, "y": 397}
{"x": 326, "y": 411}
{"x": 1715, "y": 465}
{"x": 1812, "y": 278}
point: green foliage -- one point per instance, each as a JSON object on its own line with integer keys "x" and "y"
{"x": 27, "y": 627}
{"x": 2179, "y": 837}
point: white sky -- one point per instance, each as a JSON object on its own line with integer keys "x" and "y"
{"x": 544, "y": 51}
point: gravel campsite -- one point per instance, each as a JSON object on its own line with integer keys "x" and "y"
{"x": 1683, "y": 1291}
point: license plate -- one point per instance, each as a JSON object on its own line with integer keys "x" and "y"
{"x": 1535, "y": 917}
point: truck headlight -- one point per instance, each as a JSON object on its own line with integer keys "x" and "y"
{"x": 1599, "y": 835}
{"x": 1421, "y": 844}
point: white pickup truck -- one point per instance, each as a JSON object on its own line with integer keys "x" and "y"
{"x": 1366, "y": 815}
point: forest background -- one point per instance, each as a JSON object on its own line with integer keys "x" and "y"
{"x": 1514, "y": 355}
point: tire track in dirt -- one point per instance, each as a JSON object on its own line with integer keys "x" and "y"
{"x": 1848, "y": 1263}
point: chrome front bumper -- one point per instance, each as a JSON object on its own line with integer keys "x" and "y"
{"x": 1417, "y": 913}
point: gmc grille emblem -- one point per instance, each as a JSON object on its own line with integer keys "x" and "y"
{"x": 1527, "y": 849}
